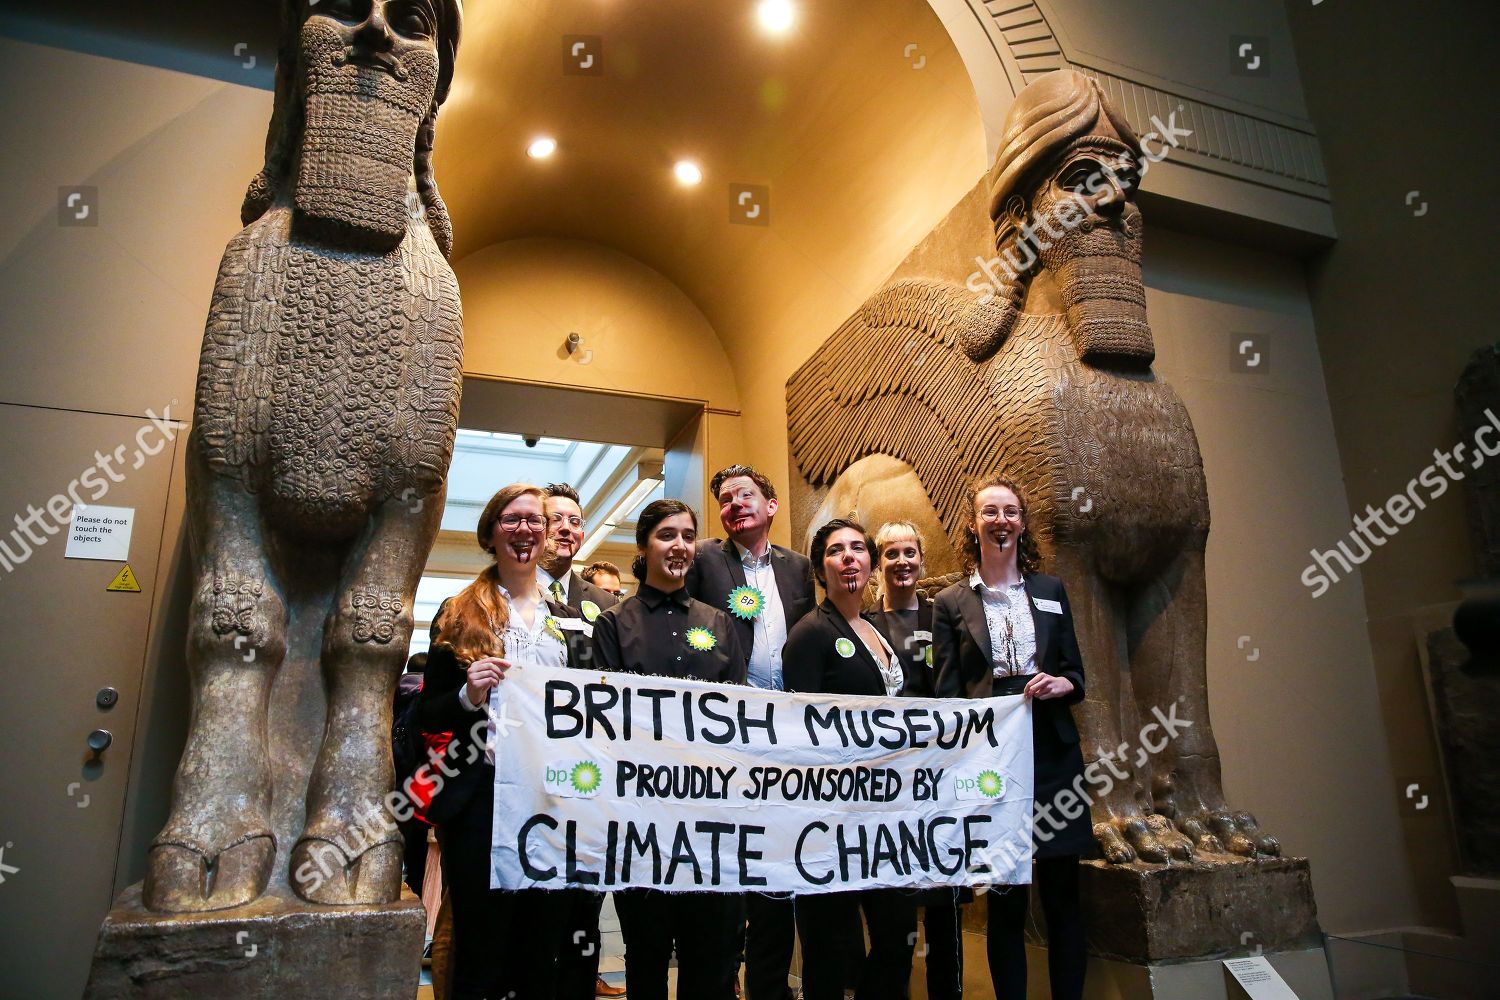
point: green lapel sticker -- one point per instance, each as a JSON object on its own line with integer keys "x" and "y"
{"x": 590, "y": 610}
{"x": 701, "y": 639}
{"x": 746, "y": 603}
{"x": 554, "y": 629}
{"x": 844, "y": 647}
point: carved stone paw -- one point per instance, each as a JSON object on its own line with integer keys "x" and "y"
{"x": 1218, "y": 831}
{"x": 1124, "y": 839}
{"x": 1179, "y": 847}
{"x": 322, "y": 872}
{"x": 182, "y": 877}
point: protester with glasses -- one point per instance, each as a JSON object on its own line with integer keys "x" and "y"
{"x": 504, "y": 943}
{"x": 578, "y": 958}
{"x": 1008, "y": 629}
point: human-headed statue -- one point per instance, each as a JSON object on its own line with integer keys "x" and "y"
{"x": 1043, "y": 373}
{"x": 327, "y": 401}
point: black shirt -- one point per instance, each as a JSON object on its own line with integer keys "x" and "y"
{"x": 900, "y": 629}
{"x": 655, "y": 632}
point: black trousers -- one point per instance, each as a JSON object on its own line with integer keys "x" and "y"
{"x": 504, "y": 943}
{"x": 832, "y": 940}
{"x": 942, "y": 924}
{"x": 578, "y": 951}
{"x": 698, "y": 926}
{"x": 770, "y": 938}
{"x": 414, "y": 853}
{"x": 1067, "y": 949}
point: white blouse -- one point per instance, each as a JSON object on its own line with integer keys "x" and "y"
{"x": 523, "y": 647}
{"x": 1007, "y": 612}
{"x": 890, "y": 672}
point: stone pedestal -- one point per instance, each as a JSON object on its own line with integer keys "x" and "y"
{"x": 274, "y": 948}
{"x": 1211, "y": 908}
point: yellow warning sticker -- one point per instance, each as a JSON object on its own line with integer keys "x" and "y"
{"x": 124, "y": 580}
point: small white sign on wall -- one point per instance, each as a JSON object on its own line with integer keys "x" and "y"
{"x": 1258, "y": 979}
{"x": 100, "y": 532}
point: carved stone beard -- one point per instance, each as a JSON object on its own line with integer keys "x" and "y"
{"x": 1097, "y": 266}
{"x": 359, "y": 140}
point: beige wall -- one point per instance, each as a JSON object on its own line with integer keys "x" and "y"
{"x": 1401, "y": 302}
{"x": 108, "y": 320}
{"x": 641, "y": 333}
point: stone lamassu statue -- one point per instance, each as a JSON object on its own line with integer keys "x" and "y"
{"x": 327, "y": 401}
{"x": 1048, "y": 377}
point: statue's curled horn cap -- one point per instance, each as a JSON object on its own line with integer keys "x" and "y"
{"x": 1047, "y": 116}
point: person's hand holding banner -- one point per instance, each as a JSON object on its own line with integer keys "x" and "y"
{"x": 618, "y": 780}
{"x": 1045, "y": 685}
{"x": 484, "y": 674}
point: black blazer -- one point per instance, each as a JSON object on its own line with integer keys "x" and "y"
{"x": 716, "y": 570}
{"x": 439, "y": 711}
{"x": 961, "y": 655}
{"x": 580, "y": 590}
{"x": 920, "y": 666}
{"x": 811, "y": 662}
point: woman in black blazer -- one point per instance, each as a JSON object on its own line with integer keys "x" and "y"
{"x": 905, "y": 619}
{"x": 1008, "y": 629}
{"x": 838, "y": 650}
{"x": 504, "y": 943}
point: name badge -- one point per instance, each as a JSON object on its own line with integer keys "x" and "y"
{"x": 921, "y": 635}
{"x": 1051, "y": 607}
{"x": 575, "y": 625}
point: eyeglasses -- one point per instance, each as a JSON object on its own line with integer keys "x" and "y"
{"x": 995, "y": 514}
{"x": 510, "y": 522}
{"x": 573, "y": 521}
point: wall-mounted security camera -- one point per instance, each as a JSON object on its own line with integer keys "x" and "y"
{"x": 530, "y": 440}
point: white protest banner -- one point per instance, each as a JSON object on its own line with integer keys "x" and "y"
{"x": 617, "y": 780}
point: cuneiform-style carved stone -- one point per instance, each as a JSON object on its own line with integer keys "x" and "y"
{"x": 375, "y": 615}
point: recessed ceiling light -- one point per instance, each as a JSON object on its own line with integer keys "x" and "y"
{"x": 541, "y": 147}
{"x": 688, "y": 173}
{"x": 775, "y": 15}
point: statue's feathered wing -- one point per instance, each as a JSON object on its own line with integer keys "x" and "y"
{"x": 895, "y": 379}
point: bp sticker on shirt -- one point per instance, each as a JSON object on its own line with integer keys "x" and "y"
{"x": 590, "y": 610}
{"x": 844, "y": 647}
{"x": 746, "y": 602}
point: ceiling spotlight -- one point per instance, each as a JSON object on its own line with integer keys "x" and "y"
{"x": 687, "y": 173}
{"x": 541, "y": 147}
{"x": 775, "y": 15}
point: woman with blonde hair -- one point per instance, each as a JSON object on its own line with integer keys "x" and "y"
{"x": 504, "y": 943}
{"x": 904, "y": 617}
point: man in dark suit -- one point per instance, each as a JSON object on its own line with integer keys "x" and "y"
{"x": 578, "y": 960}
{"x": 766, "y": 589}
{"x": 565, "y": 531}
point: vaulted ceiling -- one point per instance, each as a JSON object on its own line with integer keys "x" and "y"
{"x": 859, "y": 121}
